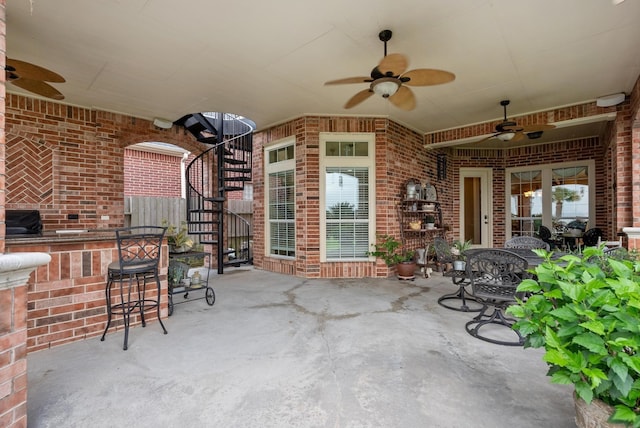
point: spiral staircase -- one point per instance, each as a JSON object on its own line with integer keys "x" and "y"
{"x": 223, "y": 168}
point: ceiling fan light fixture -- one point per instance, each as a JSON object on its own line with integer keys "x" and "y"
{"x": 506, "y": 136}
{"x": 385, "y": 86}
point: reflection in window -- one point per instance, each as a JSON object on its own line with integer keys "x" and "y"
{"x": 565, "y": 191}
{"x": 347, "y": 212}
{"x": 280, "y": 200}
{"x": 570, "y": 196}
{"x": 526, "y": 206}
{"x": 282, "y": 213}
{"x": 347, "y": 148}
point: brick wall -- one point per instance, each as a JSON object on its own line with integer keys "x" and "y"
{"x": 152, "y": 174}
{"x": 400, "y": 155}
{"x": 66, "y": 298}
{"x": 13, "y": 300}
{"x": 81, "y": 169}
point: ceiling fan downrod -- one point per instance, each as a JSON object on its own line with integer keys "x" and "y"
{"x": 385, "y": 36}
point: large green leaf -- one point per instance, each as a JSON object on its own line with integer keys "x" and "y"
{"x": 592, "y": 342}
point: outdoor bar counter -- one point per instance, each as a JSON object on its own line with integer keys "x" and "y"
{"x": 66, "y": 298}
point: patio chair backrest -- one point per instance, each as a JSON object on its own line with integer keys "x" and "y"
{"x": 139, "y": 247}
{"x": 591, "y": 237}
{"x": 443, "y": 251}
{"x": 526, "y": 243}
{"x": 495, "y": 274}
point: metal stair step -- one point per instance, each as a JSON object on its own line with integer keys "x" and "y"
{"x": 241, "y": 170}
{"x": 208, "y": 140}
{"x": 234, "y": 161}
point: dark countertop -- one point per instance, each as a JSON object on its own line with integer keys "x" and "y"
{"x": 70, "y": 235}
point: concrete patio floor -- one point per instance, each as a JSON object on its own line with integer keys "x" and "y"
{"x": 281, "y": 351}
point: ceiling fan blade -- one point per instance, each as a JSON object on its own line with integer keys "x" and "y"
{"x": 395, "y": 64}
{"x": 38, "y": 87}
{"x": 489, "y": 137}
{"x": 427, "y": 77}
{"x": 31, "y": 71}
{"x": 403, "y": 99}
{"x": 517, "y": 137}
{"x": 364, "y": 79}
{"x": 358, "y": 98}
{"x": 534, "y": 128}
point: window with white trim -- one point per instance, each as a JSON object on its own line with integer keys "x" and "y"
{"x": 280, "y": 194}
{"x": 347, "y": 196}
{"x": 558, "y": 196}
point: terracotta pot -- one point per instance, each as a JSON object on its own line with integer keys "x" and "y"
{"x": 593, "y": 415}
{"x": 406, "y": 269}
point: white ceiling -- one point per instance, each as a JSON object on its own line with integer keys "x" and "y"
{"x": 268, "y": 60}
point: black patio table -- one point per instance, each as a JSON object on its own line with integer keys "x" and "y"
{"x": 464, "y": 300}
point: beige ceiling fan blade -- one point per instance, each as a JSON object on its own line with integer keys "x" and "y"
{"x": 487, "y": 138}
{"x": 396, "y": 64}
{"x": 535, "y": 128}
{"x": 38, "y": 87}
{"x": 403, "y": 99}
{"x": 347, "y": 80}
{"x": 27, "y": 70}
{"x": 519, "y": 135}
{"x": 427, "y": 77}
{"x": 358, "y": 98}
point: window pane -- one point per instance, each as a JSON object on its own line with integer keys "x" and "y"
{"x": 570, "y": 196}
{"x": 282, "y": 212}
{"x": 566, "y": 189}
{"x": 347, "y": 213}
{"x": 526, "y": 202}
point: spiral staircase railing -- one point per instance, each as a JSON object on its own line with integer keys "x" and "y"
{"x": 223, "y": 168}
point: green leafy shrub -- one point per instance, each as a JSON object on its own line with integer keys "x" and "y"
{"x": 585, "y": 312}
{"x": 391, "y": 251}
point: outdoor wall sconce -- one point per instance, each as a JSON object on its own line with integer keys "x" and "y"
{"x": 442, "y": 166}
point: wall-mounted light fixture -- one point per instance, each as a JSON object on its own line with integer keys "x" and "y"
{"x": 442, "y": 166}
{"x": 162, "y": 123}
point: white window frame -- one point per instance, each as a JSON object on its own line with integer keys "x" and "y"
{"x": 269, "y": 168}
{"x": 547, "y": 182}
{"x": 369, "y": 162}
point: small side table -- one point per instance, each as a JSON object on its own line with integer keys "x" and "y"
{"x": 178, "y": 261}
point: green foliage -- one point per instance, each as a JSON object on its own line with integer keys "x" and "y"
{"x": 459, "y": 248}
{"x": 585, "y": 312}
{"x": 391, "y": 251}
{"x": 178, "y": 237}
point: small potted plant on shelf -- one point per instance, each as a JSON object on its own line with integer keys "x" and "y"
{"x": 584, "y": 311}
{"x": 391, "y": 251}
{"x": 430, "y": 221}
{"x": 458, "y": 250}
{"x": 178, "y": 238}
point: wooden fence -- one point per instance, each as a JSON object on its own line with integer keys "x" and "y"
{"x": 152, "y": 211}
{"x": 146, "y": 210}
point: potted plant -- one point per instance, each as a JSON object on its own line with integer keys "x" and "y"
{"x": 429, "y": 221}
{"x": 458, "y": 250}
{"x": 178, "y": 238}
{"x": 584, "y": 311}
{"x": 391, "y": 251}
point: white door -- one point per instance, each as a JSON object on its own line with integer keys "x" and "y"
{"x": 476, "y": 214}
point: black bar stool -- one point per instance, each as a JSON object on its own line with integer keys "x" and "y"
{"x": 138, "y": 264}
